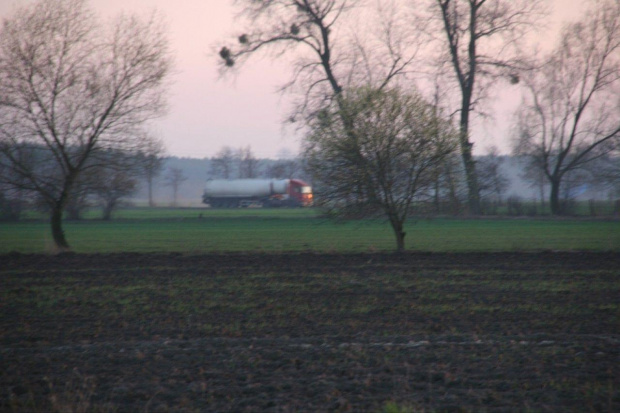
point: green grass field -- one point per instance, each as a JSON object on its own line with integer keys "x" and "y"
{"x": 264, "y": 230}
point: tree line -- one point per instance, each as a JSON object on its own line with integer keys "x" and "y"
{"x": 74, "y": 93}
{"x": 387, "y": 111}
{"x": 389, "y": 106}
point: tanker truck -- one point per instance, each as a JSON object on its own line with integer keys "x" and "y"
{"x": 234, "y": 193}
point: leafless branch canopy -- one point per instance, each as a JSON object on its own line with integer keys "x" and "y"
{"x": 480, "y": 40}
{"x": 571, "y": 115}
{"x": 71, "y": 88}
{"x": 328, "y": 54}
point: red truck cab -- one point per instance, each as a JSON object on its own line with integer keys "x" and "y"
{"x": 301, "y": 192}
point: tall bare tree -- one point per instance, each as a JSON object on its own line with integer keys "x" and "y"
{"x": 449, "y": 189}
{"x": 533, "y": 174}
{"x": 493, "y": 181}
{"x": 74, "y": 87}
{"x": 605, "y": 173}
{"x": 174, "y": 178}
{"x": 151, "y": 161}
{"x": 224, "y": 163}
{"x": 375, "y": 152}
{"x": 248, "y": 164}
{"x": 284, "y": 168}
{"x": 325, "y": 59}
{"x": 12, "y": 199}
{"x": 480, "y": 39}
{"x": 111, "y": 187}
{"x": 571, "y": 114}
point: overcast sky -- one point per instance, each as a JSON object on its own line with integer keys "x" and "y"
{"x": 206, "y": 112}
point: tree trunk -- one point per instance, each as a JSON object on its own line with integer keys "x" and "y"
{"x": 542, "y": 196}
{"x": 57, "y": 232}
{"x": 150, "y": 187}
{"x": 397, "y": 226}
{"x": 554, "y": 200}
{"x": 58, "y": 208}
{"x": 436, "y": 198}
{"x": 467, "y": 89}
{"x": 473, "y": 190}
{"x": 454, "y": 199}
{"x": 108, "y": 207}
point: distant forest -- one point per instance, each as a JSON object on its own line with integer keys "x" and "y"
{"x": 197, "y": 171}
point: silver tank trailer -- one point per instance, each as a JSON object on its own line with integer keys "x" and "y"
{"x": 245, "y": 188}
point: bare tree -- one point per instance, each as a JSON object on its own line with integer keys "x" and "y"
{"x": 493, "y": 182}
{"x": 13, "y": 199}
{"x": 374, "y": 152}
{"x": 449, "y": 189}
{"x": 74, "y": 88}
{"x": 111, "y": 187}
{"x": 174, "y": 178}
{"x": 534, "y": 175}
{"x": 115, "y": 179}
{"x": 248, "y": 164}
{"x": 325, "y": 60}
{"x": 284, "y": 168}
{"x": 231, "y": 163}
{"x": 605, "y": 173}
{"x": 151, "y": 161}
{"x": 80, "y": 199}
{"x": 286, "y": 165}
{"x": 480, "y": 38}
{"x": 571, "y": 115}
{"x": 224, "y": 163}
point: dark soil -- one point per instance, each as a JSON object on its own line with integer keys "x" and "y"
{"x": 310, "y": 332}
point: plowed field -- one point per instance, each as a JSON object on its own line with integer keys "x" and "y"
{"x": 310, "y": 332}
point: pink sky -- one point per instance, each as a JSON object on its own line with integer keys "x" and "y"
{"x": 206, "y": 112}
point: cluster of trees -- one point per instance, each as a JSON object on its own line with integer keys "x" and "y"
{"x": 105, "y": 179}
{"x": 459, "y": 49}
{"x": 388, "y": 111}
{"x": 74, "y": 95}
{"x": 229, "y": 163}
{"x": 569, "y": 121}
